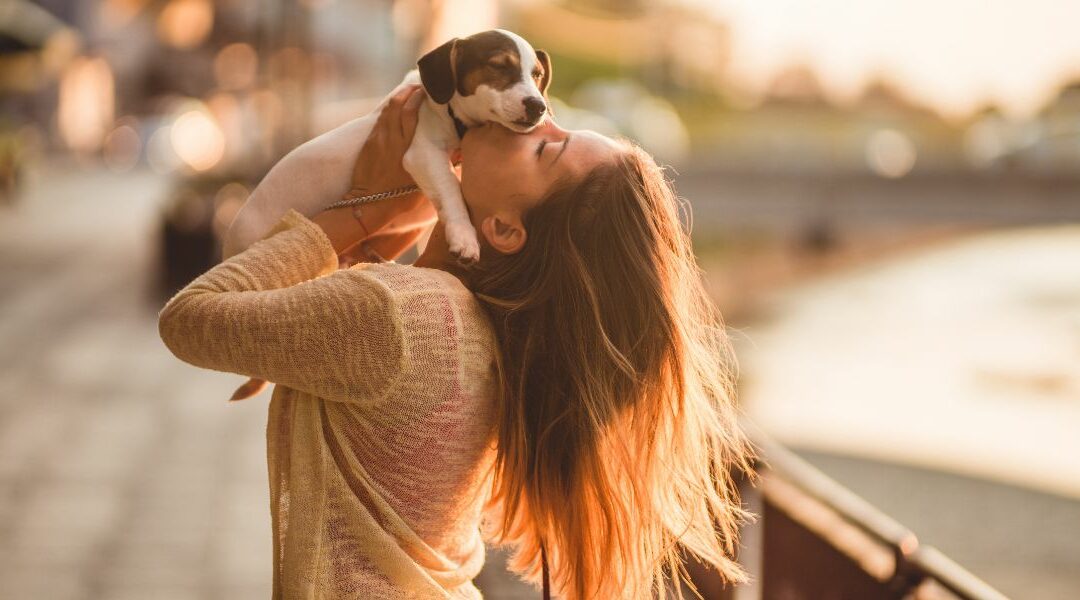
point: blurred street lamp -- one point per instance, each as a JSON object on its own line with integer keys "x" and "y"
{"x": 184, "y": 24}
{"x": 87, "y": 103}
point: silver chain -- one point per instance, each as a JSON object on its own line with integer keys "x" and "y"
{"x": 368, "y": 199}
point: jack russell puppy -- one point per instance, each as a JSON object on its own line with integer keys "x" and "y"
{"x": 491, "y": 76}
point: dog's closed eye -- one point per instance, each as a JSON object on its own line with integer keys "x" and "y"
{"x": 502, "y": 61}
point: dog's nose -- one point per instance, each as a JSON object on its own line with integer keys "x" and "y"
{"x": 534, "y": 108}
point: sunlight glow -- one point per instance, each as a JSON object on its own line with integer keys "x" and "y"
{"x": 197, "y": 140}
{"x": 955, "y": 55}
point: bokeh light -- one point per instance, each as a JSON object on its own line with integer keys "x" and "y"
{"x": 985, "y": 141}
{"x": 235, "y": 66}
{"x": 289, "y": 63}
{"x": 159, "y": 151}
{"x": 228, "y": 113}
{"x": 185, "y": 24}
{"x": 118, "y": 13}
{"x": 86, "y": 103}
{"x": 890, "y": 153}
{"x": 227, "y": 203}
{"x": 197, "y": 140}
{"x": 122, "y": 146}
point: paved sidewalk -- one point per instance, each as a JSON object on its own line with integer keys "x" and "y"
{"x": 123, "y": 472}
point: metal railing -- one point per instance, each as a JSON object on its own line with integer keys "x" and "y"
{"x": 816, "y": 539}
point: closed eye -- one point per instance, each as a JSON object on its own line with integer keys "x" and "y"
{"x": 540, "y": 148}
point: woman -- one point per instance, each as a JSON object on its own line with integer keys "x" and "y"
{"x": 570, "y": 395}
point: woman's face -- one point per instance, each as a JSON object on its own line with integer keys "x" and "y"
{"x": 503, "y": 173}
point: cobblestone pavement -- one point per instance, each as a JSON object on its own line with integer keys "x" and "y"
{"x": 124, "y": 473}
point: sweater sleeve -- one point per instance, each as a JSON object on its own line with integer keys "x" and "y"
{"x": 282, "y": 311}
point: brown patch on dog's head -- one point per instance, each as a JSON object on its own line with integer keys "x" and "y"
{"x": 463, "y": 64}
{"x": 490, "y": 76}
{"x": 488, "y": 58}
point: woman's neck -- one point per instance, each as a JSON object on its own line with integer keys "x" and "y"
{"x": 437, "y": 255}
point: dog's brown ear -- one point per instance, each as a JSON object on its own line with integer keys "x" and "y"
{"x": 437, "y": 72}
{"x": 545, "y": 81}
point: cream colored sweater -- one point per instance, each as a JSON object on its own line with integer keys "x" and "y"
{"x": 380, "y": 432}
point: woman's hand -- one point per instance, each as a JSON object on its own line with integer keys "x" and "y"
{"x": 396, "y": 222}
{"x": 378, "y": 167}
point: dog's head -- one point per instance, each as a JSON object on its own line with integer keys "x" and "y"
{"x": 490, "y": 76}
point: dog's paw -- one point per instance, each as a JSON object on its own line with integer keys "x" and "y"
{"x": 464, "y": 246}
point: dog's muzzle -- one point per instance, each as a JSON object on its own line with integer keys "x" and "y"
{"x": 535, "y": 108}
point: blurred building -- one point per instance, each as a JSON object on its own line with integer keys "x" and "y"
{"x": 795, "y": 128}
{"x": 1055, "y": 146}
{"x": 672, "y": 48}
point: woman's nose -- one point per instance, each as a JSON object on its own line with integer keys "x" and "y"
{"x": 550, "y": 128}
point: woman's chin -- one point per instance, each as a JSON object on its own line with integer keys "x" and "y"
{"x": 522, "y": 126}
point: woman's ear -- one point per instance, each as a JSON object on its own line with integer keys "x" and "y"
{"x": 505, "y": 234}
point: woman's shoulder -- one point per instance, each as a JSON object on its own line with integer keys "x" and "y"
{"x": 407, "y": 279}
{"x": 427, "y": 293}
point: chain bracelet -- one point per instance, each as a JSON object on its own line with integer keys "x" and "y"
{"x": 369, "y": 198}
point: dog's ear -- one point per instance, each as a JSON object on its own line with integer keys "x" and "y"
{"x": 545, "y": 81}
{"x": 438, "y": 72}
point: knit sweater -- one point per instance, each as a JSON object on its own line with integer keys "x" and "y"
{"x": 380, "y": 434}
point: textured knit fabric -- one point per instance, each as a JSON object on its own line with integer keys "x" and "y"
{"x": 381, "y": 431}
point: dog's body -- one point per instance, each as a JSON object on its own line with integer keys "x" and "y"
{"x": 491, "y": 76}
{"x": 471, "y": 77}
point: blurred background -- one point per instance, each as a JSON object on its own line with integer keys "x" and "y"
{"x": 885, "y": 197}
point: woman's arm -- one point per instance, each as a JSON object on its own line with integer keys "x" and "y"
{"x": 282, "y": 311}
{"x": 389, "y": 224}
{"x": 311, "y": 176}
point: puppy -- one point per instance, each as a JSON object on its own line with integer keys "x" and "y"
{"x": 490, "y": 76}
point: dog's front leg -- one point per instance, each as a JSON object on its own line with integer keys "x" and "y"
{"x": 430, "y": 168}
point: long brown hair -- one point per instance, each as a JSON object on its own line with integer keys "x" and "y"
{"x": 618, "y": 435}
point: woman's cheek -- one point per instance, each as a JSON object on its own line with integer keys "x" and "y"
{"x": 477, "y": 191}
